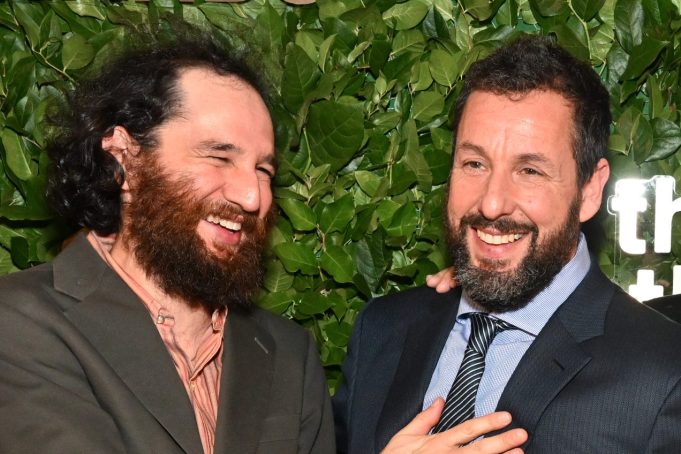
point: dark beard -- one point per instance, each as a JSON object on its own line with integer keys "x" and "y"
{"x": 161, "y": 229}
{"x": 501, "y": 291}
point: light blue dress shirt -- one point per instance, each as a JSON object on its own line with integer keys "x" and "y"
{"x": 508, "y": 347}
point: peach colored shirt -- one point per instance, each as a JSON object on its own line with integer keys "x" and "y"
{"x": 200, "y": 374}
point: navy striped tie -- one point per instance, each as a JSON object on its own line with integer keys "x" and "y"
{"x": 460, "y": 403}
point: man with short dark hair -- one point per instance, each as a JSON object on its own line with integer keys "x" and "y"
{"x": 147, "y": 342}
{"x": 534, "y": 328}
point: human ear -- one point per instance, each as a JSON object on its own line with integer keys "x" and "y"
{"x": 122, "y": 146}
{"x": 592, "y": 191}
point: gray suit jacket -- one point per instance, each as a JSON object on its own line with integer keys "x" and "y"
{"x": 84, "y": 370}
{"x": 603, "y": 376}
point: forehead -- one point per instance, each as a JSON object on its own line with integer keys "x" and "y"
{"x": 221, "y": 110}
{"x": 537, "y": 121}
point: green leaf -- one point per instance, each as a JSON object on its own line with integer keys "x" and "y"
{"x": 276, "y": 278}
{"x": 76, "y": 52}
{"x": 587, "y": 9}
{"x": 642, "y": 139}
{"x": 445, "y": 67}
{"x": 406, "y": 15}
{"x": 482, "y": 10}
{"x": 276, "y": 302}
{"x": 29, "y": 15}
{"x": 418, "y": 164}
{"x": 313, "y": 303}
{"x": 296, "y": 257}
{"x": 302, "y": 217}
{"x": 337, "y": 262}
{"x": 336, "y": 216}
{"x": 549, "y": 8}
{"x": 572, "y": 42}
{"x": 370, "y": 259}
{"x": 16, "y": 155}
{"x": 427, "y": 105}
{"x": 404, "y": 221}
{"x": 6, "y": 264}
{"x": 335, "y": 132}
{"x": 629, "y": 20}
{"x": 642, "y": 56}
{"x": 368, "y": 181}
{"x": 298, "y": 79}
{"x": 269, "y": 29}
{"x": 666, "y": 139}
{"x": 86, "y": 8}
{"x": 338, "y": 333}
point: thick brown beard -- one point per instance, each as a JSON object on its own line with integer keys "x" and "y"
{"x": 501, "y": 291}
{"x": 161, "y": 228}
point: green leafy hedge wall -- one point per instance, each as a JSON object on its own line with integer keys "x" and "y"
{"x": 367, "y": 89}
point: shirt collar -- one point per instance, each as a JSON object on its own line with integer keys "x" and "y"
{"x": 532, "y": 317}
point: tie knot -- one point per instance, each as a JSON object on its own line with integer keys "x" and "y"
{"x": 483, "y": 330}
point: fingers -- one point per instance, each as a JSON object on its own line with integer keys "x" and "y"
{"x": 473, "y": 428}
{"x": 442, "y": 281}
{"x": 424, "y": 421}
{"x": 506, "y": 442}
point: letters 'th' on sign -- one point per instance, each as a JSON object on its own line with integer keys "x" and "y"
{"x": 628, "y": 202}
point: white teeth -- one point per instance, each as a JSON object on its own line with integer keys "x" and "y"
{"x": 498, "y": 239}
{"x": 231, "y": 225}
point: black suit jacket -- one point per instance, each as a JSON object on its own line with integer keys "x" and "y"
{"x": 670, "y": 306}
{"x": 603, "y": 376}
{"x": 84, "y": 370}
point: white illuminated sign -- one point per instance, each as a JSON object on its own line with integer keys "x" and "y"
{"x": 628, "y": 202}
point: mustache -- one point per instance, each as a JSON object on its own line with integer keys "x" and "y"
{"x": 505, "y": 225}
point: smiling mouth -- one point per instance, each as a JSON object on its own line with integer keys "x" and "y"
{"x": 234, "y": 226}
{"x": 498, "y": 239}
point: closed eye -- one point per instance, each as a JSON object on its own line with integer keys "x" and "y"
{"x": 269, "y": 173}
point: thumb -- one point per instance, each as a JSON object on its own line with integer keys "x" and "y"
{"x": 424, "y": 421}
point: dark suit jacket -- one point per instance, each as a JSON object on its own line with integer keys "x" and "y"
{"x": 84, "y": 370}
{"x": 670, "y": 306}
{"x": 603, "y": 376}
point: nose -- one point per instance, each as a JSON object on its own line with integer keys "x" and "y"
{"x": 243, "y": 188}
{"x": 497, "y": 198}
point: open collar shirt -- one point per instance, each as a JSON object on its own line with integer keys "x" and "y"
{"x": 508, "y": 347}
{"x": 200, "y": 373}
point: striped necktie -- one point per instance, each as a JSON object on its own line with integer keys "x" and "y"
{"x": 460, "y": 403}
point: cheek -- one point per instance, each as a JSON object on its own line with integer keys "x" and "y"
{"x": 266, "y": 197}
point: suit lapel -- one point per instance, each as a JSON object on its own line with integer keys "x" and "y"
{"x": 118, "y": 325}
{"x": 247, "y": 372}
{"x": 556, "y": 356}
{"x": 422, "y": 347}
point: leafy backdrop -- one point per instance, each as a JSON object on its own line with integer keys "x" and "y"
{"x": 366, "y": 92}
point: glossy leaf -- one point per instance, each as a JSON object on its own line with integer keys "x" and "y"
{"x": 335, "y": 132}
{"x": 16, "y": 155}
{"x": 302, "y": 217}
{"x": 296, "y": 257}
{"x": 666, "y": 139}
{"x": 337, "y": 262}
{"x": 406, "y": 15}
{"x": 642, "y": 56}
{"x": 336, "y": 216}
{"x": 76, "y": 52}
{"x": 629, "y": 21}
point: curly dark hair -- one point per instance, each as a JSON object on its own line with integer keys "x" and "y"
{"x": 138, "y": 91}
{"x": 538, "y": 63}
